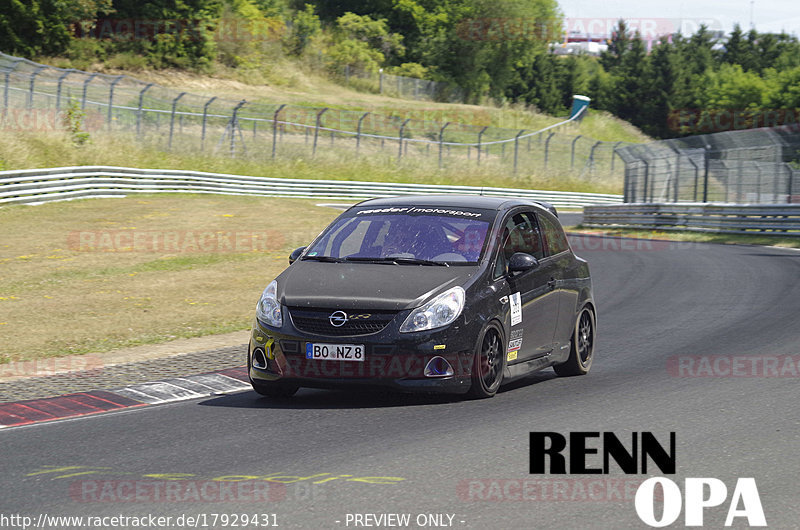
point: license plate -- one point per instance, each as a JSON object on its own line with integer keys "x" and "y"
{"x": 335, "y": 352}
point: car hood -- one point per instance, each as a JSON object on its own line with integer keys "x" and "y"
{"x": 366, "y": 285}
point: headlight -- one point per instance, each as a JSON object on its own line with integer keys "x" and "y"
{"x": 440, "y": 311}
{"x": 268, "y": 310}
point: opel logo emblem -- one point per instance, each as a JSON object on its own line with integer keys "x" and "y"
{"x": 338, "y": 319}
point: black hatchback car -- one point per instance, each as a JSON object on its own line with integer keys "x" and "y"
{"x": 453, "y": 294}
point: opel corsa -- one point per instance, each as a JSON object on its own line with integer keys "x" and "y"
{"x": 454, "y": 294}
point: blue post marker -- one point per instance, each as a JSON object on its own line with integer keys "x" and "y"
{"x": 579, "y": 107}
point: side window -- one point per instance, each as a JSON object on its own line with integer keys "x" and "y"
{"x": 554, "y": 236}
{"x": 520, "y": 234}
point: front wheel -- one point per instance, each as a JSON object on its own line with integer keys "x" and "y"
{"x": 581, "y": 352}
{"x": 489, "y": 365}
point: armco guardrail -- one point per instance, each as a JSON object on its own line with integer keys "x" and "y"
{"x": 44, "y": 185}
{"x": 754, "y": 219}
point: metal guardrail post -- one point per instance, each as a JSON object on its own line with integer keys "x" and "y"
{"x": 516, "y": 149}
{"x": 31, "y": 88}
{"x": 85, "y": 88}
{"x": 480, "y": 134}
{"x": 172, "y": 118}
{"x": 441, "y": 142}
{"x": 316, "y": 130}
{"x": 205, "y": 120}
{"x": 358, "y": 133}
{"x": 380, "y": 82}
{"x": 111, "y": 98}
{"x": 547, "y": 148}
{"x": 139, "y": 110}
{"x": 400, "y": 139}
{"x": 275, "y": 129}
{"x": 58, "y": 88}
{"x": 572, "y": 155}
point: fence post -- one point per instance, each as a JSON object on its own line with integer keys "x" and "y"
{"x": 205, "y": 119}
{"x": 547, "y": 148}
{"x": 380, "y": 82}
{"x": 347, "y": 74}
{"x": 676, "y": 188}
{"x": 516, "y": 149}
{"x": 441, "y": 142}
{"x": 85, "y": 88}
{"x": 572, "y": 155}
{"x": 739, "y": 182}
{"x": 591, "y": 157}
{"x": 316, "y": 130}
{"x": 646, "y": 179}
{"x": 235, "y": 126}
{"x": 172, "y": 118}
{"x": 139, "y": 111}
{"x": 111, "y": 98}
{"x": 696, "y": 177}
{"x": 480, "y": 134}
{"x": 33, "y": 80}
{"x": 789, "y": 183}
{"x": 8, "y": 74}
{"x": 400, "y": 148}
{"x": 275, "y": 129}
{"x": 614, "y": 152}
{"x": 706, "y": 159}
{"x": 758, "y": 182}
{"x": 58, "y": 89}
{"x": 358, "y": 133}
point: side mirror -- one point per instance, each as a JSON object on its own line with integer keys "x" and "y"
{"x": 295, "y": 254}
{"x": 521, "y": 262}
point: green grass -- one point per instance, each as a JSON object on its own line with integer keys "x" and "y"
{"x": 696, "y": 237}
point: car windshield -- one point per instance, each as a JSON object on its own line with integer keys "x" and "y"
{"x": 405, "y": 235}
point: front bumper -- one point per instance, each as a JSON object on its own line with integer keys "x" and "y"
{"x": 392, "y": 360}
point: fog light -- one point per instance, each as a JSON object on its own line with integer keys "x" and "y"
{"x": 259, "y": 359}
{"x": 438, "y": 367}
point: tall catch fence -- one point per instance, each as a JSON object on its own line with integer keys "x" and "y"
{"x": 38, "y": 97}
{"x": 754, "y": 166}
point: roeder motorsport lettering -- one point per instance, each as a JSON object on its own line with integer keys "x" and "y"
{"x": 699, "y": 493}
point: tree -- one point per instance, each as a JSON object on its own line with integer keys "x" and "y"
{"x": 305, "y": 26}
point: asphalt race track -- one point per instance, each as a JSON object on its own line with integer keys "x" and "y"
{"x": 656, "y": 301}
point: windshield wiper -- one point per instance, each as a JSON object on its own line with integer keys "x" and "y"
{"x": 326, "y": 259}
{"x": 399, "y": 260}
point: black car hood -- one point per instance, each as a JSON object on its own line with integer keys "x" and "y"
{"x": 366, "y": 285}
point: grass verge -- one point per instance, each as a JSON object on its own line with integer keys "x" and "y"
{"x": 96, "y": 275}
{"x": 695, "y": 237}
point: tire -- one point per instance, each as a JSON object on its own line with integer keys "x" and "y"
{"x": 489, "y": 363}
{"x": 276, "y": 390}
{"x": 581, "y": 351}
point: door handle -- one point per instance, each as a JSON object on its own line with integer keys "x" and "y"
{"x": 552, "y": 283}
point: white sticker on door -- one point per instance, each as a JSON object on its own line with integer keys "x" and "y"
{"x": 516, "y": 309}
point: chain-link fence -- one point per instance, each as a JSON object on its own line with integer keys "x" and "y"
{"x": 401, "y": 86}
{"x": 758, "y": 166}
{"x": 38, "y": 97}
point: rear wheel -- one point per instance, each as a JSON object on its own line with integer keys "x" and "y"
{"x": 274, "y": 389}
{"x": 581, "y": 352}
{"x": 489, "y": 364}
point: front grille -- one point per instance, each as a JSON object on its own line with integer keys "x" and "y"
{"x": 317, "y": 321}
